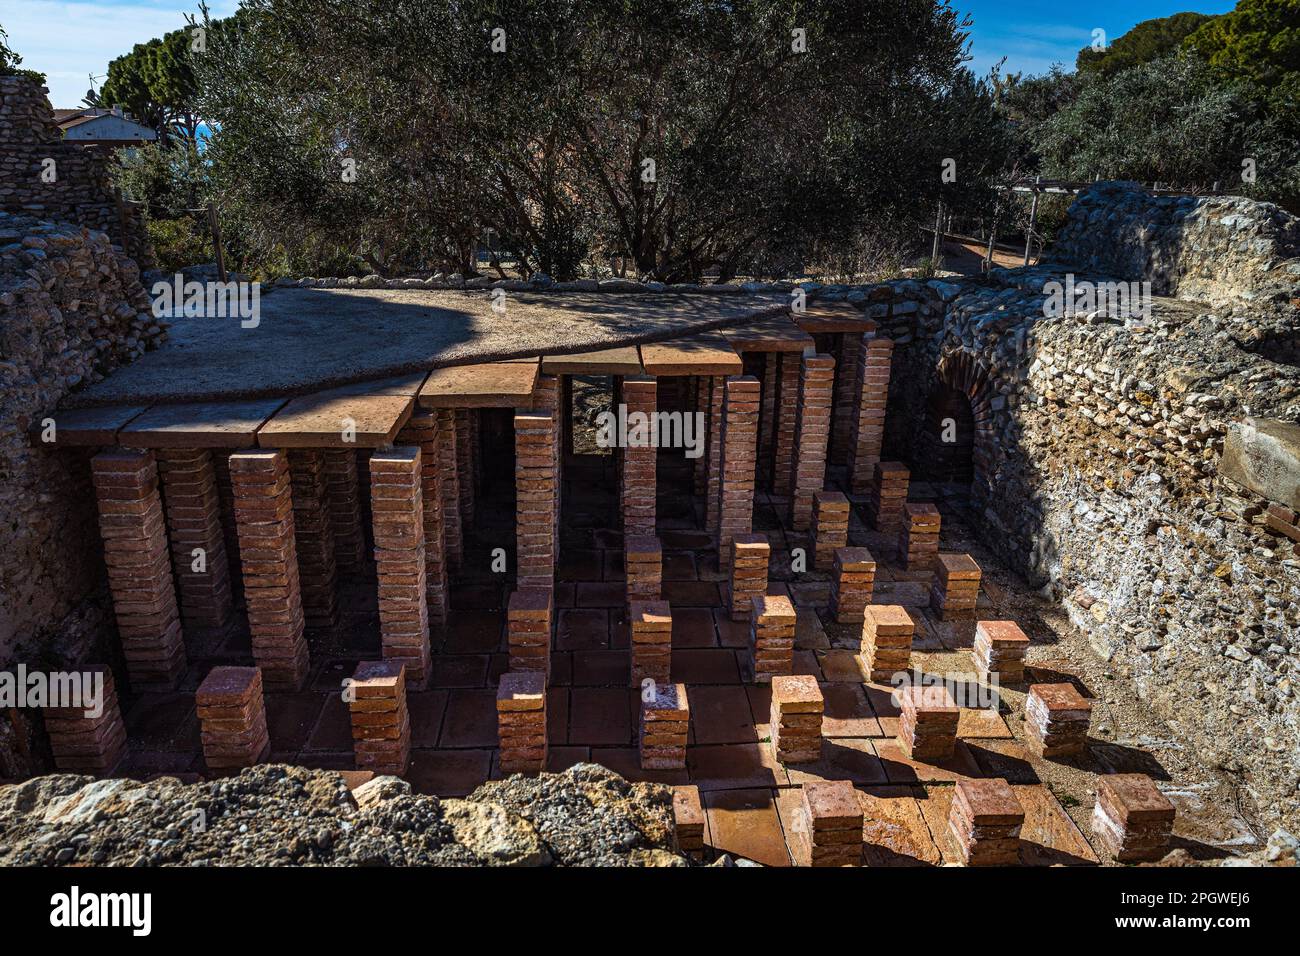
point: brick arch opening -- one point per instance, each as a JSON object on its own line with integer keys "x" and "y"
{"x": 958, "y": 427}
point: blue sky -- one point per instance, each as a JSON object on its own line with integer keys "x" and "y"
{"x": 69, "y": 39}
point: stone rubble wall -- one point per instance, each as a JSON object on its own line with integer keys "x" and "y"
{"x": 71, "y": 310}
{"x": 80, "y": 192}
{"x": 1210, "y": 248}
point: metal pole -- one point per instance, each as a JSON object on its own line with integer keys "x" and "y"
{"x": 216, "y": 242}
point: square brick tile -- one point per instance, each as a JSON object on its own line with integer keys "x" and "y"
{"x": 681, "y": 594}
{"x": 745, "y": 823}
{"x": 729, "y": 766}
{"x": 693, "y": 627}
{"x": 848, "y": 713}
{"x": 705, "y": 666}
{"x": 721, "y": 715}
{"x": 843, "y": 759}
{"x": 470, "y": 719}
{"x": 426, "y": 708}
{"x": 601, "y": 668}
{"x": 600, "y": 716}
{"x": 582, "y": 629}
{"x": 449, "y": 773}
{"x": 290, "y": 719}
{"x": 459, "y": 670}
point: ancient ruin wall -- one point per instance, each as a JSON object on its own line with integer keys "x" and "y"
{"x": 71, "y": 310}
{"x": 45, "y": 177}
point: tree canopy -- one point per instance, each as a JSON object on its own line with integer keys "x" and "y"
{"x": 1147, "y": 41}
{"x": 155, "y": 83}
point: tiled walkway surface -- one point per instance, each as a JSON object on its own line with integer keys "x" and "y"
{"x": 592, "y": 710}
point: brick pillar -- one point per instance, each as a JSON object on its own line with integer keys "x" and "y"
{"x": 313, "y": 538}
{"x": 1056, "y": 720}
{"x": 796, "y": 718}
{"x": 643, "y": 561}
{"x": 739, "y": 433}
{"x": 638, "y": 491}
{"x": 88, "y": 744}
{"x": 688, "y": 819}
{"x": 264, "y": 518}
{"x": 927, "y": 729}
{"x": 450, "y": 486}
{"x": 422, "y": 431}
{"x": 846, "y": 391}
{"x": 1132, "y": 820}
{"x": 381, "y": 725}
{"x": 536, "y": 494}
{"x": 918, "y": 542}
{"x": 465, "y": 465}
{"x": 828, "y": 829}
{"x": 703, "y": 400}
{"x": 767, "y": 419}
{"x": 528, "y": 629}
{"x": 853, "y": 580}
{"x": 788, "y": 413}
{"x": 887, "y": 495}
{"x": 830, "y": 527}
{"x": 713, "y": 495}
{"x": 956, "y": 587}
{"x": 397, "y": 503}
{"x": 229, "y": 533}
{"x": 1000, "y": 649}
{"x": 985, "y": 820}
{"x": 232, "y": 719}
{"x": 343, "y": 492}
{"x": 546, "y": 399}
{"x": 750, "y": 556}
{"x": 521, "y": 722}
{"x": 651, "y": 624}
{"x": 665, "y": 723}
{"x": 139, "y": 568}
{"x": 886, "y": 646}
{"x": 869, "y": 424}
{"x": 771, "y": 637}
{"x": 193, "y": 509}
{"x": 811, "y": 434}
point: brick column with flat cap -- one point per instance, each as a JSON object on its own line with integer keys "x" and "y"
{"x": 313, "y": 536}
{"x": 528, "y": 627}
{"x": 536, "y": 497}
{"x": 422, "y": 431}
{"x": 198, "y": 543}
{"x": 750, "y": 558}
{"x": 739, "y": 433}
{"x": 83, "y": 741}
{"x": 521, "y": 722}
{"x": 638, "y": 490}
{"x": 868, "y": 426}
{"x": 816, "y": 382}
{"x": 381, "y": 724}
{"x": 232, "y": 719}
{"x": 853, "y": 580}
{"x": 397, "y": 516}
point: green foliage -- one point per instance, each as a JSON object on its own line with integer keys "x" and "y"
{"x": 759, "y": 153}
{"x": 155, "y": 82}
{"x": 1259, "y": 41}
{"x": 171, "y": 179}
{"x": 1149, "y": 40}
{"x": 179, "y": 242}
{"x": 9, "y": 61}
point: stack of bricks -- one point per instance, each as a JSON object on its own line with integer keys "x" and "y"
{"x": 528, "y": 630}
{"x": 397, "y": 503}
{"x": 956, "y": 587}
{"x": 638, "y": 490}
{"x": 828, "y": 831}
{"x": 812, "y": 432}
{"x": 985, "y": 820}
{"x": 313, "y": 538}
{"x": 422, "y": 431}
{"x": 521, "y": 722}
{"x": 85, "y": 743}
{"x": 739, "y": 437}
{"x": 830, "y": 528}
{"x": 230, "y": 534}
{"x": 1000, "y": 649}
{"x": 918, "y": 542}
{"x": 381, "y": 726}
{"x": 713, "y": 471}
{"x": 927, "y": 729}
{"x": 193, "y": 510}
{"x": 232, "y": 719}
{"x": 139, "y": 568}
{"x": 465, "y": 421}
{"x": 887, "y": 496}
{"x": 886, "y": 646}
{"x": 750, "y": 555}
{"x": 869, "y": 424}
{"x": 644, "y": 563}
{"x": 787, "y": 416}
{"x": 771, "y": 637}
{"x": 651, "y": 625}
{"x": 536, "y": 496}
{"x": 700, "y": 470}
{"x": 1057, "y": 718}
{"x": 451, "y": 527}
{"x": 852, "y": 584}
{"x": 1133, "y": 820}
{"x": 847, "y": 364}
{"x": 688, "y": 819}
{"x": 343, "y": 492}
{"x": 264, "y": 518}
{"x": 796, "y": 718}
{"x": 665, "y": 722}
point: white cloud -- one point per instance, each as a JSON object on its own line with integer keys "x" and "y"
{"x": 68, "y": 41}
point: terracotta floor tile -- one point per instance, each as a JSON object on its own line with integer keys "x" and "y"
{"x": 599, "y": 716}
{"x": 894, "y": 831}
{"x": 936, "y": 806}
{"x": 478, "y": 597}
{"x": 691, "y": 594}
{"x": 720, "y": 715}
{"x": 331, "y": 675}
{"x": 1049, "y": 837}
{"x": 899, "y": 768}
{"x": 626, "y": 762}
{"x": 841, "y": 665}
{"x": 426, "y": 709}
{"x": 810, "y": 594}
{"x": 693, "y": 627}
{"x": 789, "y": 806}
{"x": 579, "y": 565}
{"x": 333, "y": 730}
{"x": 705, "y": 666}
{"x": 557, "y": 716}
{"x": 162, "y": 722}
{"x": 881, "y": 698}
{"x": 291, "y": 717}
{"x": 560, "y": 759}
{"x": 475, "y": 632}
{"x": 981, "y": 723}
{"x": 809, "y": 634}
{"x": 449, "y": 773}
{"x": 561, "y": 668}
{"x": 847, "y": 712}
{"x": 582, "y": 629}
{"x": 760, "y": 706}
{"x": 565, "y": 595}
{"x": 846, "y": 758}
{"x": 686, "y": 540}
{"x": 459, "y": 670}
{"x": 470, "y": 719}
{"x": 601, "y": 594}
{"x": 745, "y": 823}
{"x": 728, "y": 766}
{"x": 601, "y": 668}
{"x": 731, "y": 633}
{"x": 679, "y": 566}
{"x": 1004, "y": 758}
{"x": 806, "y": 663}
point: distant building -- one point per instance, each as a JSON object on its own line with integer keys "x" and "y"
{"x": 95, "y": 126}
